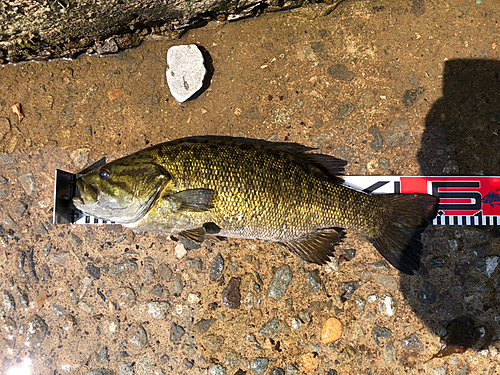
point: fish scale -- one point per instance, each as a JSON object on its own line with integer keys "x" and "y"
{"x": 252, "y": 189}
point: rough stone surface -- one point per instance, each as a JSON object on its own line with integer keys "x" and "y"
{"x": 280, "y": 281}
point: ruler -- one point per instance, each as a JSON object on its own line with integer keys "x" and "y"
{"x": 464, "y": 200}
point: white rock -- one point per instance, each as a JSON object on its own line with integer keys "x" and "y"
{"x": 180, "y": 251}
{"x": 185, "y": 71}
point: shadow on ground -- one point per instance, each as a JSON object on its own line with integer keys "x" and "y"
{"x": 459, "y": 280}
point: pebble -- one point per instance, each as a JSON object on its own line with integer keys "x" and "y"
{"x": 344, "y": 110}
{"x": 177, "y": 284}
{"x": 149, "y": 274}
{"x": 109, "y": 46}
{"x": 487, "y": 265}
{"x": 312, "y": 284}
{"x": 58, "y": 310}
{"x": 360, "y": 304}
{"x": 389, "y": 354}
{"x": 379, "y": 332}
{"x": 231, "y": 294}
{"x": 28, "y": 183}
{"x": 164, "y": 272}
{"x": 195, "y": 263}
{"x": 387, "y": 305}
{"x": 157, "y": 290}
{"x": 125, "y": 368}
{"x": 36, "y": 330}
{"x": 8, "y": 301}
{"x": 346, "y": 355}
{"x": 158, "y": 310}
{"x": 124, "y": 269}
{"x": 9, "y": 326}
{"x": 428, "y": 294}
{"x": 102, "y": 371}
{"x": 270, "y": 329}
{"x": 331, "y": 331}
{"x": 378, "y": 142}
{"x": 309, "y": 362}
{"x": 259, "y": 365}
{"x": 348, "y": 288}
{"x": 125, "y": 297}
{"x": 144, "y": 365}
{"x": 411, "y": 96}
{"x": 203, "y": 325}
{"x": 292, "y": 370}
{"x": 103, "y": 355}
{"x": 212, "y": 343}
{"x": 297, "y": 323}
{"x": 217, "y": 370}
{"x": 277, "y": 371}
{"x": 341, "y": 73}
{"x": 185, "y": 71}
{"x": 413, "y": 343}
{"x": 217, "y": 267}
{"x": 279, "y": 282}
{"x": 93, "y": 271}
{"x": 176, "y": 333}
{"x": 138, "y": 337}
{"x": 232, "y": 359}
{"x": 387, "y": 281}
{"x": 22, "y": 298}
{"x": 381, "y": 265}
{"x": 397, "y": 133}
{"x": 180, "y": 251}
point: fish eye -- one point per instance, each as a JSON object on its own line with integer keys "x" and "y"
{"x": 104, "y": 173}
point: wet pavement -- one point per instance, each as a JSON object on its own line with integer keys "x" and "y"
{"x": 403, "y": 88}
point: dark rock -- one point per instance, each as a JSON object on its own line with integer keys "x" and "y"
{"x": 259, "y": 365}
{"x": 188, "y": 363}
{"x": 397, "y": 133}
{"x": 379, "y": 332}
{"x": 341, "y": 73}
{"x": 124, "y": 269}
{"x": 277, "y": 371}
{"x": 378, "y": 142}
{"x": 157, "y": 290}
{"x": 270, "y": 329}
{"x": 428, "y": 294}
{"x": 36, "y": 330}
{"x": 177, "y": 284}
{"x": 411, "y": 96}
{"x": 417, "y": 7}
{"x": 212, "y": 343}
{"x": 217, "y": 267}
{"x": 203, "y": 325}
{"x": 279, "y": 282}
{"x": 93, "y": 271}
{"x": 346, "y": 355}
{"x": 164, "y": 272}
{"x": 176, "y": 333}
{"x": 194, "y": 263}
{"x": 231, "y": 294}
{"x": 413, "y": 343}
{"x": 347, "y": 289}
{"x": 344, "y": 110}
{"x": 312, "y": 284}
{"x": 332, "y": 372}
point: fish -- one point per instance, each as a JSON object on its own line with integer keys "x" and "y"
{"x": 491, "y": 198}
{"x": 244, "y": 188}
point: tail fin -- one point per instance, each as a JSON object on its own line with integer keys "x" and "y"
{"x": 398, "y": 238}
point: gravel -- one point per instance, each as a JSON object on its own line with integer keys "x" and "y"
{"x": 217, "y": 267}
{"x": 279, "y": 282}
{"x": 270, "y": 329}
{"x": 231, "y": 294}
{"x": 259, "y": 365}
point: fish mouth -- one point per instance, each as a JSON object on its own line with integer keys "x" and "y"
{"x": 86, "y": 191}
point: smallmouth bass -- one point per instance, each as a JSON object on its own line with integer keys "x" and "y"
{"x": 244, "y": 188}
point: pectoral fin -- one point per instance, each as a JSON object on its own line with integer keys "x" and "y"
{"x": 316, "y": 247}
{"x": 196, "y": 236}
{"x": 193, "y": 200}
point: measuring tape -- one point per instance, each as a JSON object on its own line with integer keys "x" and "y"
{"x": 464, "y": 200}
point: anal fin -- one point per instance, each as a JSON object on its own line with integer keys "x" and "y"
{"x": 316, "y": 247}
{"x": 196, "y": 235}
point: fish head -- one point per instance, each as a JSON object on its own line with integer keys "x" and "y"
{"x": 122, "y": 191}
